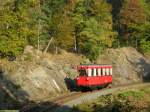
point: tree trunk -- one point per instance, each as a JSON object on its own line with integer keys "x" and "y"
{"x": 56, "y": 50}
{"x": 136, "y": 43}
{"x": 39, "y": 25}
{"x": 48, "y": 45}
{"x": 75, "y": 44}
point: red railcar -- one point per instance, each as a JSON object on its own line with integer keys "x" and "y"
{"x": 94, "y": 75}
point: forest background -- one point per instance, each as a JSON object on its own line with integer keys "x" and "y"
{"x": 83, "y": 26}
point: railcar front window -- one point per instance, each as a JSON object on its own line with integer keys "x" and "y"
{"x": 82, "y": 73}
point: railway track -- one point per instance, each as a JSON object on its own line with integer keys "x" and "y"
{"x": 48, "y": 104}
{"x": 66, "y": 102}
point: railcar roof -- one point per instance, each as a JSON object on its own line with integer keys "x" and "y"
{"x": 86, "y": 66}
{"x": 95, "y": 65}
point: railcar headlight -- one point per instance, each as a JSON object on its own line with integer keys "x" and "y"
{"x": 87, "y": 78}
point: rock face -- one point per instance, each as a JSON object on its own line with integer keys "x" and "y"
{"x": 33, "y": 84}
{"x": 128, "y": 65}
{"x": 41, "y": 82}
{"x": 36, "y": 76}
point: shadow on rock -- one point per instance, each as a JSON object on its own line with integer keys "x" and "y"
{"x": 45, "y": 107}
{"x": 11, "y": 95}
{"x": 144, "y": 70}
{"x": 70, "y": 83}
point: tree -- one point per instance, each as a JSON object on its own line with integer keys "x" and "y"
{"x": 23, "y": 21}
{"x": 14, "y": 32}
{"x": 93, "y": 27}
{"x": 132, "y": 16}
{"x": 144, "y": 41}
{"x": 50, "y": 19}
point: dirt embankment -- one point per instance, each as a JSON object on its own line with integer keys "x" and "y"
{"x": 36, "y": 76}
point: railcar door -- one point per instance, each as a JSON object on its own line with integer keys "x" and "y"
{"x": 81, "y": 79}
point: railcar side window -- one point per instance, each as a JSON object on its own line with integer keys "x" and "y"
{"x": 92, "y": 72}
{"x": 101, "y": 71}
{"x": 82, "y": 72}
{"x": 97, "y": 72}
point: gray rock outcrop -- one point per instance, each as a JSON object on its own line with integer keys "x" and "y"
{"x": 129, "y": 65}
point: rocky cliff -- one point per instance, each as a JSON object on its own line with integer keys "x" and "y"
{"x": 128, "y": 65}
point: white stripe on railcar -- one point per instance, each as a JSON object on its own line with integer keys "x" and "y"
{"x": 103, "y": 70}
{"x": 110, "y": 71}
{"x": 107, "y": 71}
{"x": 99, "y": 72}
{"x": 89, "y": 72}
{"x": 94, "y": 74}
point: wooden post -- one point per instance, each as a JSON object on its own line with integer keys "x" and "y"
{"x": 48, "y": 45}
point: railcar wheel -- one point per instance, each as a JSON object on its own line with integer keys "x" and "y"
{"x": 81, "y": 88}
{"x": 99, "y": 87}
{"x": 109, "y": 86}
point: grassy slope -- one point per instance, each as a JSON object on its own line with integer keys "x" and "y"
{"x": 129, "y": 101}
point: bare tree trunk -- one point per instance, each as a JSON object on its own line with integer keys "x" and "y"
{"x": 75, "y": 44}
{"x": 136, "y": 43}
{"x": 39, "y": 26}
{"x": 118, "y": 43}
{"x": 56, "y": 50}
{"x": 48, "y": 45}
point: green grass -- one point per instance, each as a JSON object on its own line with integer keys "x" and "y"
{"x": 128, "y": 101}
{"x": 135, "y": 94}
{"x": 146, "y": 90}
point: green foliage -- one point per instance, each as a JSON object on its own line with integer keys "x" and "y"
{"x": 145, "y": 4}
{"x": 135, "y": 94}
{"x": 142, "y": 36}
{"x": 131, "y": 16}
{"x": 20, "y": 23}
{"x": 91, "y": 50}
{"x": 147, "y": 91}
{"x": 145, "y": 45}
{"x": 17, "y": 27}
{"x": 132, "y": 22}
{"x": 50, "y": 10}
{"x": 91, "y": 26}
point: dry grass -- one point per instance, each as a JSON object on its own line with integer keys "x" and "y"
{"x": 5, "y": 65}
